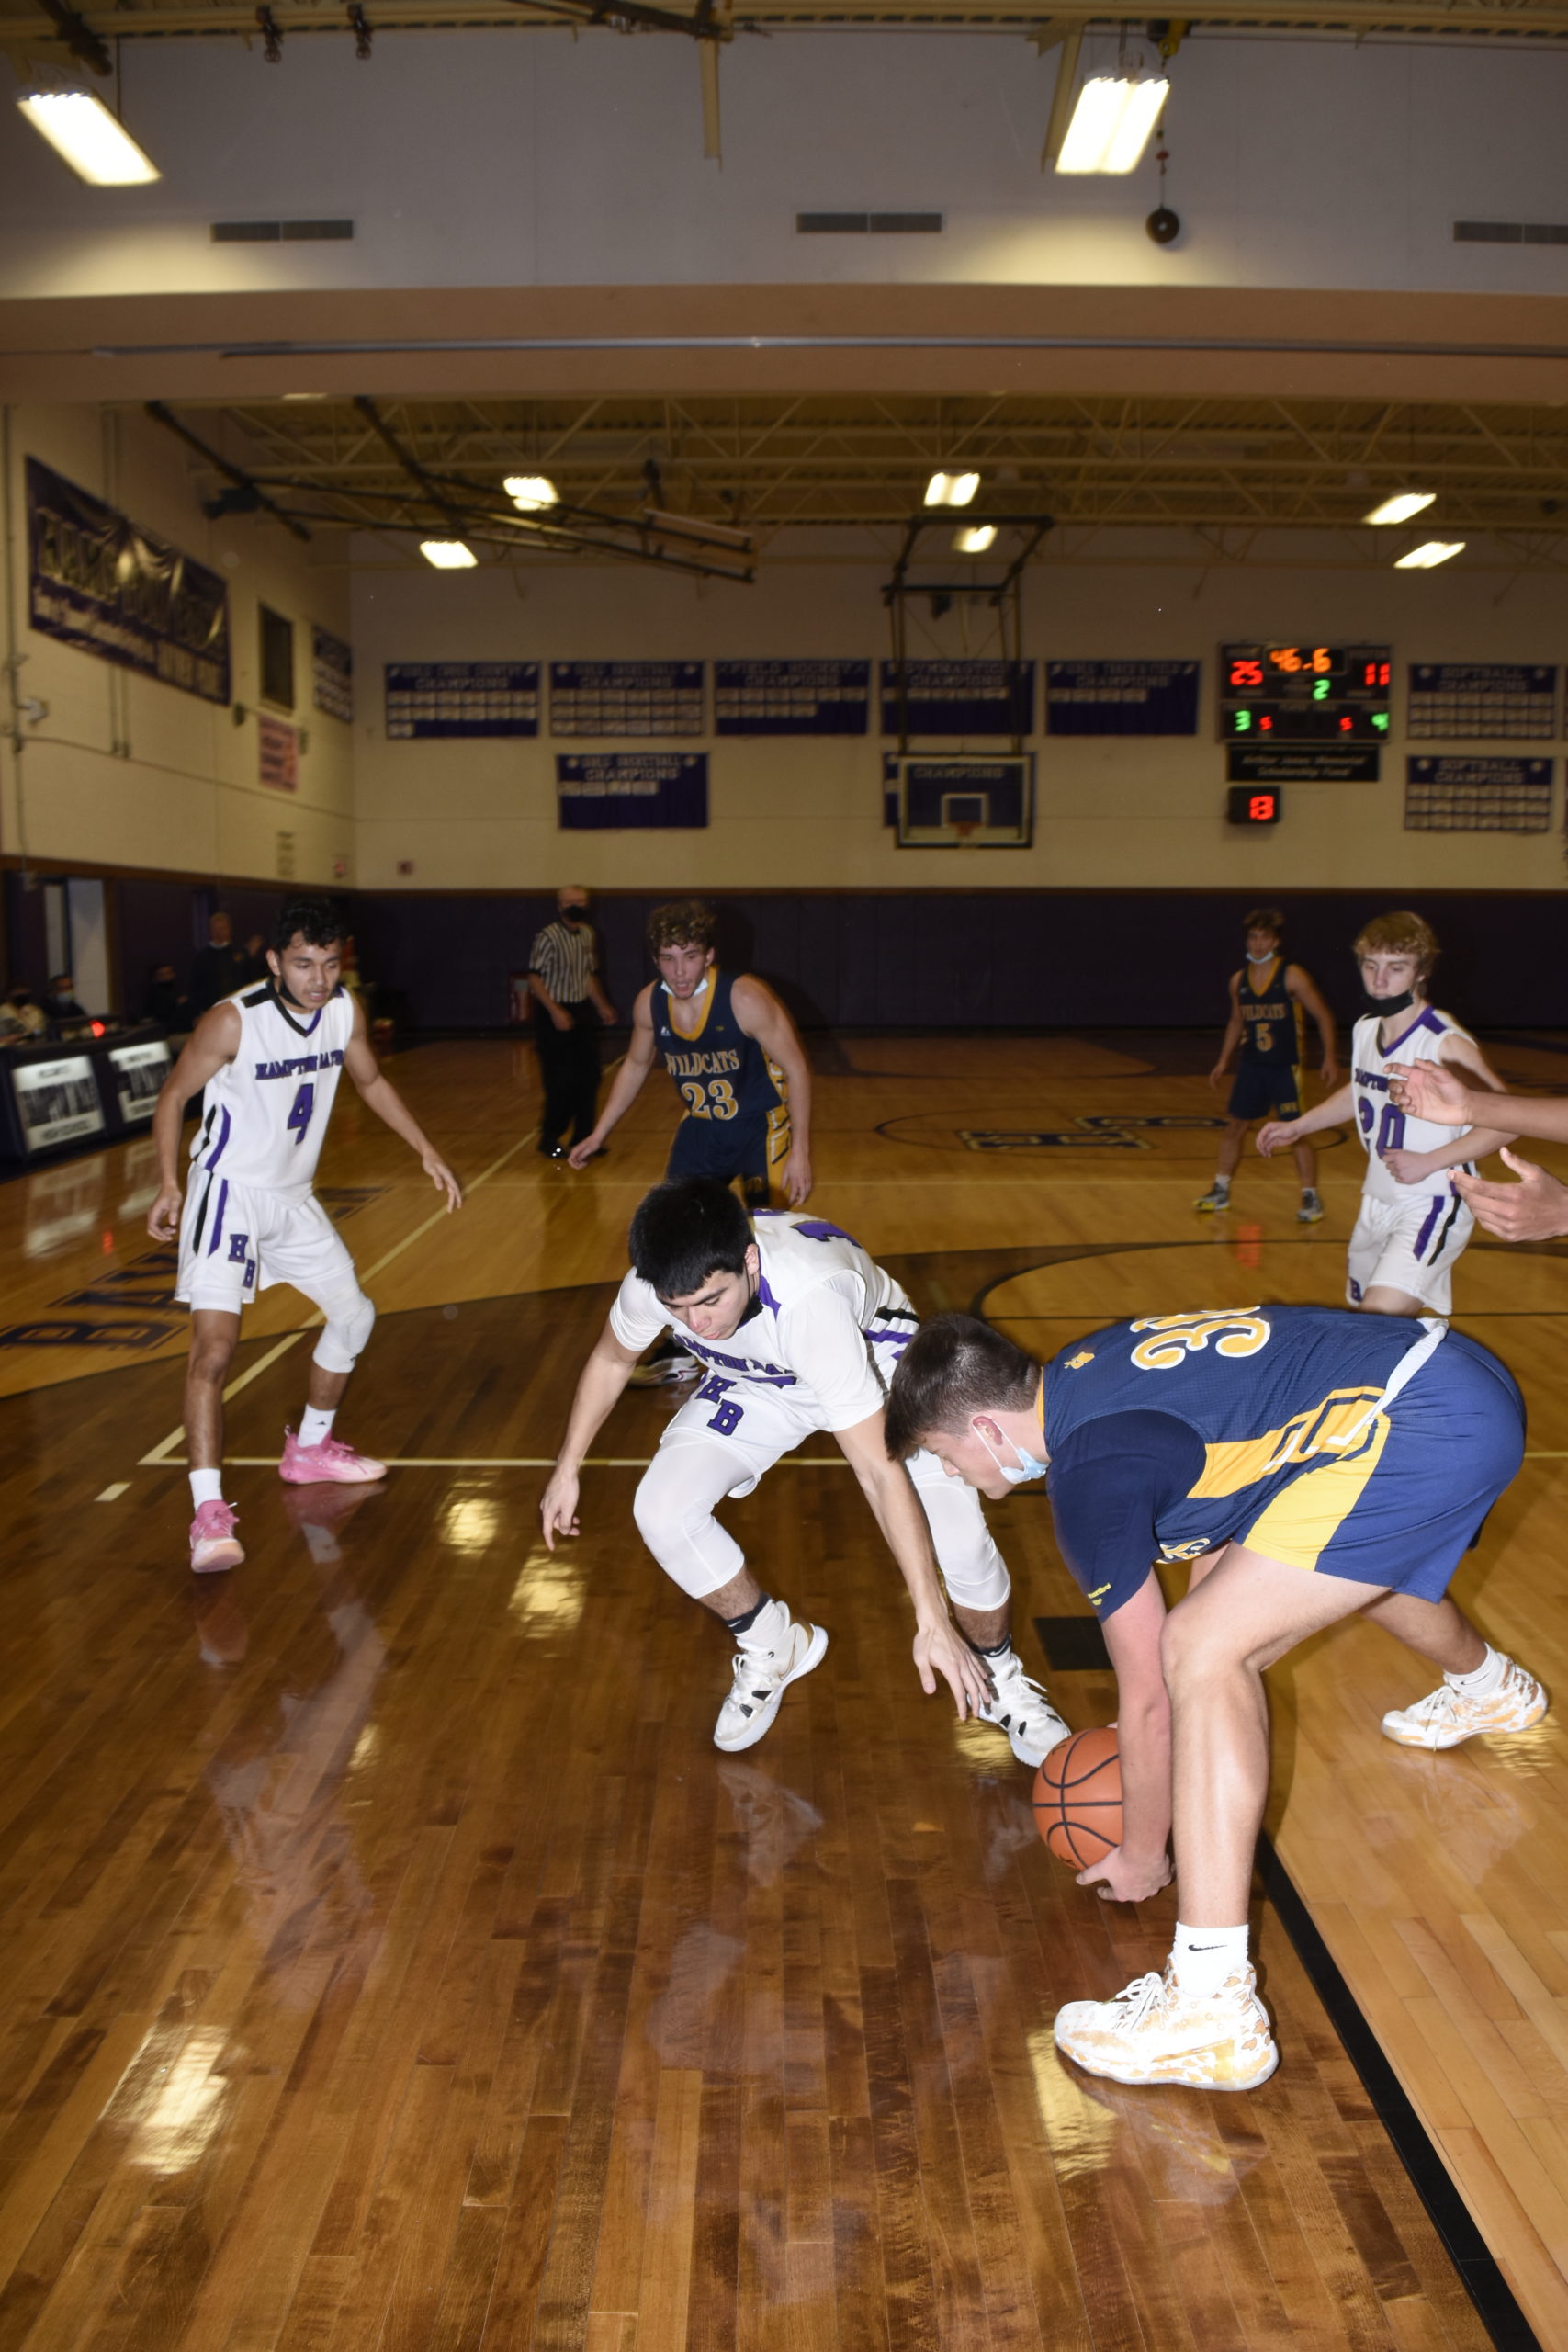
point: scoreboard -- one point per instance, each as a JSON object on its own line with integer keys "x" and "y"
{"x": 1296, "y": 694}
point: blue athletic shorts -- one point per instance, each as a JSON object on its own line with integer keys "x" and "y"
{"x": 723, "y": 1148}
{"x": 1404, "y": 1510}
{"x": 1266, "y": 1091}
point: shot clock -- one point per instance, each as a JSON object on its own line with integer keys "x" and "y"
{"x": 1304, "y": 694}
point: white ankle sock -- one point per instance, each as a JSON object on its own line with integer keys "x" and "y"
{"x": 205, "y": 1487}
{"x": 314, "y": 1426}
{"x": 1485, "y": 1678}
{"x": 1204, "y": 1957}
{"x": 1221, "y": 1184}
{"x": 768, "y": 1630}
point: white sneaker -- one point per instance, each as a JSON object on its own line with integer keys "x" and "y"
{"x": 1213, "y": 1201}
{"x": 1446, "y": 1717}
{"x": 762, "y": 1677}
{"x": 1021, "y": 1709}
{"x": 1152, "y": 2033}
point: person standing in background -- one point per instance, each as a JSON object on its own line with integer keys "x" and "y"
{"x": 220, "y": 966}
{"x": 563, "y": 981}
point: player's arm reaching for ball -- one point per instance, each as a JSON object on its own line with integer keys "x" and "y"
{"x": 1535, "y": 1207}
{"x": 378, "y": 1095}
{"x": 940, "y": 1649}
{"x": 604, "y": 1375}
{"x": 212, "y": 1042}
{"x": 1233, "y": 1028}
{"x": 1140, "y": 1866}
{"x": 1278, "y": 1135}
{"x": 635, "y": 1063}
{"x": 761, "y": 1016}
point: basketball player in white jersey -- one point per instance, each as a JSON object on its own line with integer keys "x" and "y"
{"x": 1412, "y": 1225}
{"x": 268, "y": 1058}
{"x": 799, "y": 1331}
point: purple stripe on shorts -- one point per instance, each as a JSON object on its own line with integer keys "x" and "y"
{"x": 223, "y": 1140}
{"x": 217, "y": 1226}
{"x": 1429, "y": 1220}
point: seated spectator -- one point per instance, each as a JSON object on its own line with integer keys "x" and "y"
{"x": 167, "y": 1002}
{"x": 60, "y": 1001}
{"x": 25, "y": 1011}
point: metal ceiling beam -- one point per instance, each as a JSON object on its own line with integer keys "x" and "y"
{"x": 32, "y": 22}
{"x": 236, "y": 475}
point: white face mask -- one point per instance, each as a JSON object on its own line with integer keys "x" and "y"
{"x": 1028, "y": 1467}
{"x": 1262, "y": 959}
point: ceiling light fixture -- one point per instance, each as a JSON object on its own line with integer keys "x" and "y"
{"x": 952, "y": 490}
{"x": 531, "y": 492}
{"x": 448, "y": 555}
{"x": 1401, "y": 507}
{"x": 1111, "y": 123}
{"x": 976, "y": 538}
{"x": 97, "y": 147}
{"x": 1426, "y": 557}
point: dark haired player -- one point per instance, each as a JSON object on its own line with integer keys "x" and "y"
{"x": 268, "y": 1058}
{"x": 1268, "y": 997}
{"x": 799, "y": 1331}
{"x": 1310, "y": 1463}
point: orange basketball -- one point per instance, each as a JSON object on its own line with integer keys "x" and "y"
{"x": 1077, "y": 1798}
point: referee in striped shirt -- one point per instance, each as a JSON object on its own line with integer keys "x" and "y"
{"x": 568, "y": 1005}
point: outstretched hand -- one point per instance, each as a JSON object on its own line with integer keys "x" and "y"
{"x": 941, "y": 1649}
{"x": 1274, "y": 1135}
{"x": 1431, "y": 1091}
{"x": 1535, "y": 1209}
{"x": 441, "y": 1176}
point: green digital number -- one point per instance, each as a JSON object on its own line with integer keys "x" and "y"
{"x": 1320, "y": 692}
{"x": 1243, "y": 721}
{"x": 1379, "y": 720}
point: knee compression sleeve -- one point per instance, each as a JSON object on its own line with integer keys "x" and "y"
{"x": 676, "y": 1520}
{"x": 972, "y": 1568}
{"x": 350, "y": 1316}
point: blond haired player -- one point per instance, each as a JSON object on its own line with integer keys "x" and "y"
{"x": 1412, "y": 1225}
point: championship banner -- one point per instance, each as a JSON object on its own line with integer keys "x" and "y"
{"x": 331, "y": 674}
{"x": 104, "y": 584}
{"x": 603, "y": 791}
{"x": 805, "y": 698}
{"x": 958, "y": 698}
{"x": 1122, "y": 698}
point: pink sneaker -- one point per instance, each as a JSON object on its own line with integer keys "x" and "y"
{"x": 213, "y": 1543}
{"x": 329, "y": 1463}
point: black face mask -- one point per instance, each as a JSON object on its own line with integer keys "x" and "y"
{"x": 1383, "y": 1005}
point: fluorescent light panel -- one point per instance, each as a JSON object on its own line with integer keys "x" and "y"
{"x": 1111, "y": 123}
{"x": 975, "y": 539}
{"x": 1427, "y": 557}
{"x": 952, "y": 490}
{"x": 1401, "y": 507}
{"x": 80, "y": 128}
{"x": 531, "y": 492}
{"x": 448, "y": 555}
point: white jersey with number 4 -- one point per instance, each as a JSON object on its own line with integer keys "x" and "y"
{"x": 828, "y": 1325}
{"x": 1380, "y": 1122}
{"x": 265, "y": 1114}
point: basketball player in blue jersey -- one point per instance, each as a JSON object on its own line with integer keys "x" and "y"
{"x": 1267, "y": 998}
{"x": 1412, "y": 1225}
{"x": 798, "y": 1329}
{"x": 735, "y": 1055}
{"x": 268, "y": 1058}
{"x": 1310, "y": 1464}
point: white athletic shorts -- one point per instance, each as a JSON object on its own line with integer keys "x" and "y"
{"x": 235, "y": 1241}
{"x": 720, "y": 1442}
{"x": 1409, "y": 1245}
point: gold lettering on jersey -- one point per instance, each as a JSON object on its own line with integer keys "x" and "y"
{"x": 1098, "y": 1594}
{"x": 721, "y": 1061}
{"x": 1193, "y": 1551}
{"x": 1084, "y": 1355}
{"x": 1339, "y": 1424}
{"x": 1239, "y": 1331}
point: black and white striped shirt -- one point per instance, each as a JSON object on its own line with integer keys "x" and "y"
{"x": 563, "y": 955}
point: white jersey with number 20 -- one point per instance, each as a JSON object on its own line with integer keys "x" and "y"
{"x": 1380, "y": 1124}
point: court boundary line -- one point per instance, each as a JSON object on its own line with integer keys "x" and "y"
{"x": 1476, "y": 2266}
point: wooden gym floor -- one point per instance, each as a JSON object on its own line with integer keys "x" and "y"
{"x": 392, "y": 1960}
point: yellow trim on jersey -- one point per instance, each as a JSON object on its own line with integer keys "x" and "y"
{"x": 710, "y": 991}
{"x": 1299, "y": 1525}
{"x": 1335, "y": 1424}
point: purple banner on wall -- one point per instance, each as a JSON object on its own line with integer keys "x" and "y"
{"x": 101, "y": 582}
{"x": 600, "y": 791}
{"x": 1122, "y": 698}
{"x": 791, "y": 697}
{"x": 960, "y": 697}
{"x": 446, "y": 699}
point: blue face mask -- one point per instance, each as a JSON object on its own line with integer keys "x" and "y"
{"x": 1028, "y": 1467}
